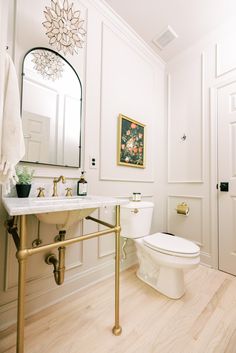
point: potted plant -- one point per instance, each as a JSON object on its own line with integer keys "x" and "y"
{"x": 23, "y": 184}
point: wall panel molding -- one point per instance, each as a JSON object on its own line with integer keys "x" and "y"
{"x": 126, "y": 31}
{"x": 34, "y": 280}
{"x": 186, "y": 225}
{"x": 123, "y": 173}
{"x": 40, "y": 300}
{"x": 106, "y": 244}
{"x": 202, "y": 121}
{"x": 220, "y": 72}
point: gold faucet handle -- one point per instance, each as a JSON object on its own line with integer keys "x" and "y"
{"x": 68, "y": 191}
{"x": 41, "y": 192}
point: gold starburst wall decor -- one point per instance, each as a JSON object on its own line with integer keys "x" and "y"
{"x": 64, "y": 27}
{"x": 49, "y": 65}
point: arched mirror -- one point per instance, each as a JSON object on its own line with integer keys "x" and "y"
{"x": 51, "y": 109}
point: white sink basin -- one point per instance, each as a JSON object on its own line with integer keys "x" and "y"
{"x": 61, "y": 211}
{"x": 64, "y": 219}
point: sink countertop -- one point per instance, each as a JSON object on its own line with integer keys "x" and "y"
{"x": 25, "y": 206}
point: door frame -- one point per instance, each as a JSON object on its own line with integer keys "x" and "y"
{"x": 213, "y": 177}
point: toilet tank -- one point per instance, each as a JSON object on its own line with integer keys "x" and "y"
{"x": 136, "y": 219}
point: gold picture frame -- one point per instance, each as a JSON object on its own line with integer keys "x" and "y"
{"x": 131, "y": 142}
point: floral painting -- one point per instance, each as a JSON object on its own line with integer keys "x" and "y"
{"x": 131, "y": 146}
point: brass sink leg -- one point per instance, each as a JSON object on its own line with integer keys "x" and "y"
{"x": 58, "y": 264}
{"x": 21, "y": 287}
{"x": 117, "y": 328}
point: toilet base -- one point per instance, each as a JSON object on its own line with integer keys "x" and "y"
{"x": 169, "y": 281}
{"x": 163, "y": 272}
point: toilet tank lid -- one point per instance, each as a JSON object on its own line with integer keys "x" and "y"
{"x": 138, "y": 204}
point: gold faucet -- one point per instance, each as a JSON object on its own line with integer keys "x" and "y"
{"x": 55, "y": 181}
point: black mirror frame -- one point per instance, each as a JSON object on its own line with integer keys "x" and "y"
{"x": 21, "y": 99}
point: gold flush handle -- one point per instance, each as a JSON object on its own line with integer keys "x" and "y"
{"x": 135, "y": 211}
{"x": 41, "y": 192}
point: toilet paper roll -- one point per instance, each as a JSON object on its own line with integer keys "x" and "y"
{"x": 183, "y": 209}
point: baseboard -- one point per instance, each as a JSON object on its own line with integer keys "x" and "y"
{"x": 206, "y": 259}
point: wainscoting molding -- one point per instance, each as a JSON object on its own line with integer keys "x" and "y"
{"x": 108, "y": 151}
{"x": 192, "y": 227}
{"x": 185, "y": 225}
{"x": 123, "y": 28}
{"x": 221, "y": 71}
{"x": 34, "y": 281}
{"x": 39, "y": 300}
{"x": 171, "y": 178}
{"x": 106, "y": 244}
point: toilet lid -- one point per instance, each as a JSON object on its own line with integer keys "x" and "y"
{"x": 172, "y": 245}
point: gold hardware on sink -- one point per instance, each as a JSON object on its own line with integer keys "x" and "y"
{"x": 41, "y": 192}
{"x": 58, "y": 264}
{"x": 135, "y": 211}
{"x": 38, "y": 241}
{"x": 23, "y": 253}
{"x": 55, "y": 182}
{"x": 68, "y": 191}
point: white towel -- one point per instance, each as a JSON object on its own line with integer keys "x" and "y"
{"x": 12, "y": 141}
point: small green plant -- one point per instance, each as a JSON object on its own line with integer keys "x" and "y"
{"x": 24, "y": 175}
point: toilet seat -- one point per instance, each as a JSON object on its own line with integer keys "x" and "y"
{"x": 171, "y": 245}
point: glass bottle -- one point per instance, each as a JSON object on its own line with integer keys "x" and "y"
{"x": 82, "y": 185}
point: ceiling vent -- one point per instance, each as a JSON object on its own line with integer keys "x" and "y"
{"x": 165, "y": 37}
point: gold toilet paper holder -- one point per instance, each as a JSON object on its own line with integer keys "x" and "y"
{"x": 183, "y": 209}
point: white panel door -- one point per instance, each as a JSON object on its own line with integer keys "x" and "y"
{"x": 37, "y": 136}
{"x": 227, "y": 174}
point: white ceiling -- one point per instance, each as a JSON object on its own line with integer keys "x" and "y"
{"x": 190, "y": 19}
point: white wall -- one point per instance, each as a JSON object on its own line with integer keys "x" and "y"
{"x": 119, "y": 74}
{"x": 193, "y": 77}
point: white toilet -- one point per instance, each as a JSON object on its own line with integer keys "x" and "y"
{"x": 162, "y": 257}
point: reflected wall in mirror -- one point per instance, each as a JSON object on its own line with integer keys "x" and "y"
{"x": 51, "y": 109}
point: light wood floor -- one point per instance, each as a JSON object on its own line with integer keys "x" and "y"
{"x": 203, "y": 321}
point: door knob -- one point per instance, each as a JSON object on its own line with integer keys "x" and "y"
{"x": 224, "y": 186}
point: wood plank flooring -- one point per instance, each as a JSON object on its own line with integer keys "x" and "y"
{"x": 203, "y": 321}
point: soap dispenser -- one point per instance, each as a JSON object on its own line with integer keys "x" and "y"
{"x": 82, "y": 185}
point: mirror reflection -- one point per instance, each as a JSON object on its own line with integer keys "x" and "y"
{"x": 51, "y": 109}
